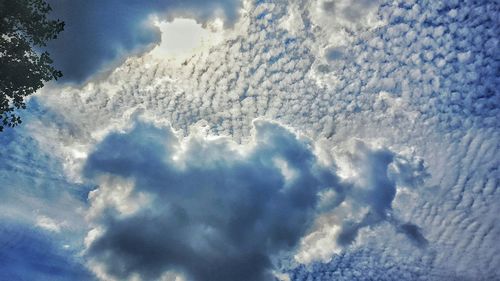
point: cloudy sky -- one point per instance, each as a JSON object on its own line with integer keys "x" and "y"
{"x": 260, "y": 140}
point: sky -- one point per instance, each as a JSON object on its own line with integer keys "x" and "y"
{"x": 259, "y": 141}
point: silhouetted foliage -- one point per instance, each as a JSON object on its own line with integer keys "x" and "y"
{"x": 24, "y": 31}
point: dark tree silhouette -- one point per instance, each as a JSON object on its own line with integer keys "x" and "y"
{"x": 24, "y": 67}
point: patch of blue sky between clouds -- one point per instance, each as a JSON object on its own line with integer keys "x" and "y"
{"x": 28, "y": 253}
{"x": 41, "y": 219}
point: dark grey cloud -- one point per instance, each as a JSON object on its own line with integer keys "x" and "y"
{"x": 99, "y": 33}
{"x": 216, "y": 213}
{"x": 380, "y": 171}
{"x": 215, "y": 210}
{"x": 353, "y": 10}
{"x": 414, "y": 232}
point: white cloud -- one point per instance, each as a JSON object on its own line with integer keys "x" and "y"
{"x": 48, "y": 223}
{"x": 183, "y": 38}
{"x": 423, "y": 85}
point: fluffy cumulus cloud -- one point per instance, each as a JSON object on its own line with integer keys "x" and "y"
{"x": 210, "y": 209}
{"x": 396, "y": 180}
{"x": 370, "y": 179}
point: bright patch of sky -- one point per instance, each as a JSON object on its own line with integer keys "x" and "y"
{"x": 183, "y": 37}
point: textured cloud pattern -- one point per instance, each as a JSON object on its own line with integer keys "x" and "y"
{"x": 414, "y": 81}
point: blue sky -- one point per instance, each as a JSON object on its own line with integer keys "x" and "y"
{"x": 259, "y": 140}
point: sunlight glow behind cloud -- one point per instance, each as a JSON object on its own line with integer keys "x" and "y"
{"x": 183, "y": 38}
